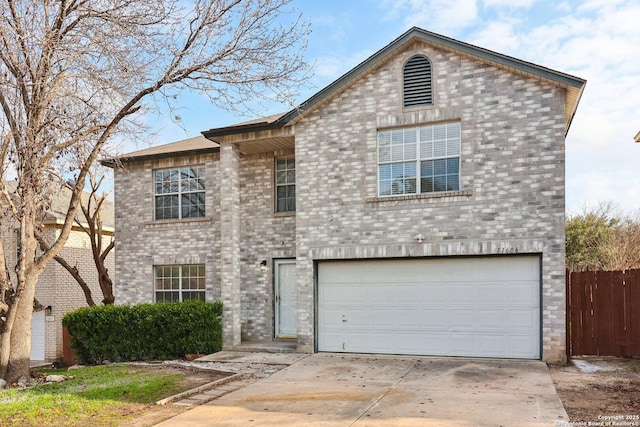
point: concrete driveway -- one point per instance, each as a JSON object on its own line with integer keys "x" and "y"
{"x": 372, "y": 390}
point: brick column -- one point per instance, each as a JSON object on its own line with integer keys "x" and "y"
{"x": 230, "y": 243}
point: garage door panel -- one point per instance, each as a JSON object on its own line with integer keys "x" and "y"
{"x": 491, "y": 344}
{"x": 354, "y": 294}
{"x": 331, "y": 318}
{"x": 330, "y": 294}
{"x": 375, "y": 294}
{"x": 378, "y": 342}
{"x": 492, "y": 320}
{"x": 464, "y": 343}
{"x": 330, "y": 340}
{"x": 520, "y": 268}
{"x": 462, "y": 320}
{"x": 492, "y": 293}
{"x": 408, "y": 294}
{"x": 448, "y": 306}
{"x": 462, "y": 293}
{"x": 360, "y": 318}
{"x": 379, "y": 318}
{"x": 523, "y": 320}
{"x": 436, "y": 294}
{"x": 521, "y": 346}
{"x": 408, "y": 319}
{"x": 522, "y": 292}
{"x": 437, "y": 319}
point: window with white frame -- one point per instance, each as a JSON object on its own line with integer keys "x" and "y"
{"x": 179, "y": 282}
{"x": 285, "y": 184}
{"x": 179, "y": 193}
{"x": 424, "y": 159}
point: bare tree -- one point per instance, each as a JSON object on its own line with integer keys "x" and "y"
{"x": 603, "y": 238}
{"x": 74, "y": 73}
{"x": 91, "y": 224}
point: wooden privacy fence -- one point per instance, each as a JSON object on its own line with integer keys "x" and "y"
{"x": 603, "y": 313}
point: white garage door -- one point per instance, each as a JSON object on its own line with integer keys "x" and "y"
{"x": 480, "y": 307}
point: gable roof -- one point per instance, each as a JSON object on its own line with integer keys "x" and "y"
{"x": 574, "y": 85}
{"x": 57, "y": 212}
{"x": 196, "y": 145}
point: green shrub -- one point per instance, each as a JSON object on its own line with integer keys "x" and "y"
{"x": 121, "y": 333}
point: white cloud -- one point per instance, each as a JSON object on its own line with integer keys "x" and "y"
{"x": 335, "y": 26}
{"x": 562, "y": 7}
{"x": 598, "y": 5}
{"x": 508, "y": 3}
{"x": 328, "y": 68}
{"x": 498, "y": 36}
{"x": 441, "y": 16}
{"x": 590, "y": 189}
{"x": 599, "y": 42}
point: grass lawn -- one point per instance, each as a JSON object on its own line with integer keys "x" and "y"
{"x": 97, "y": 396}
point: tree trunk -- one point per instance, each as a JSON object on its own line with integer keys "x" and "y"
{"x": 20, "y": 331}
{"x": 16, "y": 337}
{"x": 106, "y": 285}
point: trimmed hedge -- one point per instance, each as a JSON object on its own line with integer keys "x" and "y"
{"x": 121, "y": 333}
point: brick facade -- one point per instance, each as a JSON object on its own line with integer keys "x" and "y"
{"x": 512, "y": 178}
{"x": 143, "y": 242}
{"x": 511, "y": 196}
{"x": 56, "y": 287}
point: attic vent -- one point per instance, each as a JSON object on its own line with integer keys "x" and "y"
{"x": 417, "y": 82}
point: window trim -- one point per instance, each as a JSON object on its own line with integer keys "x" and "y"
{"x": 418, "y": 161}
{"x": 179, "y": 193}
{"x": 276, "y": 185}
{"x": 180, "y": 289}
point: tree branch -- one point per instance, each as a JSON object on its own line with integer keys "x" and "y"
{"x": 72, "y": 270}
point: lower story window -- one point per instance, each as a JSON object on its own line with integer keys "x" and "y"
{"x": 179, "y": 282}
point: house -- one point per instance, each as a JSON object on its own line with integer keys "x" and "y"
{"x": 416, "y": 205}
{"x": 637, "y": 137}
{"x": 57, "y": 292}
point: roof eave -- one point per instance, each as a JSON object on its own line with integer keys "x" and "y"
{"x": 232, "y": 130}
{"x": 575, "y": 108}
{"x": 113, "y": 162}
{"x": 487, "y": 55}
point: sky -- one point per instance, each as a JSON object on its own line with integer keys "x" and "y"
{"x": 597, "y": 40}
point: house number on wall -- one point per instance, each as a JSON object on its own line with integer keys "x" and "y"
{"x": 508, "y": 250}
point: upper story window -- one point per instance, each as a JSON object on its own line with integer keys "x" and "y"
{"x": 417, "y": 82}
{"x": 417, "y": 160}
{"x": 179, "y": 282}
{"x": 285, "y": 184}
{"x": 179, "y": 193}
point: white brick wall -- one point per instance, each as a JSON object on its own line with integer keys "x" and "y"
{"x": 56, "y": 287}
{"x": 512, "y": 178}
{"x": 512, "y": 195}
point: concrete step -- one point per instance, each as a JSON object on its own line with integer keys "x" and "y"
{"x": 271, "y": 346}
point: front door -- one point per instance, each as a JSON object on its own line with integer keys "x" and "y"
{"x": 37, "y": 335}
{"x": 285, "y": 298}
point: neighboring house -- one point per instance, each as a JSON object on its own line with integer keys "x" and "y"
{"x": 416, "y": 205}
{"x": 57, "y": 291}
